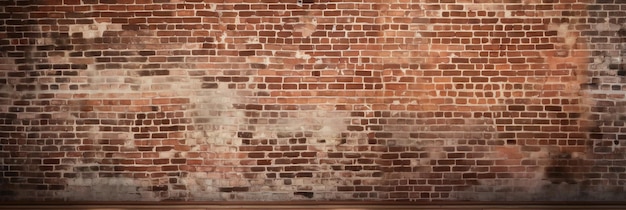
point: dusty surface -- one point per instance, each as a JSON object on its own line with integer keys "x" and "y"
{"x": 155, "y": 100}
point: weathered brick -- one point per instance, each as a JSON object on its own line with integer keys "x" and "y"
{"x": 399, "y": 101}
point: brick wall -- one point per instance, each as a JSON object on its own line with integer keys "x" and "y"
{"x": 210, "y": 100}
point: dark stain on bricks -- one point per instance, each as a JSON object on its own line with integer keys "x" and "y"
{"x": 564, "y": 168}
{"x": 234, "y": 189}
{"x": 242, "y": 134}
{"x": 153, "y": 72}
{"x": 305, "y": 194}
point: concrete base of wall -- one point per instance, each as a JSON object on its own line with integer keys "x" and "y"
{"x": 310, "y": 205}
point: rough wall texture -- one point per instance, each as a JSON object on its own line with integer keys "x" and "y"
{"x": 483, "y": 100}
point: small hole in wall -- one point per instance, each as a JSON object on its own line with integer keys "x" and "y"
{"x": 616, "y": 142}
{"x": 301, "y": 2}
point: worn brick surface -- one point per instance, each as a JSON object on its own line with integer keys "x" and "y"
{"x": 248, "y": 100}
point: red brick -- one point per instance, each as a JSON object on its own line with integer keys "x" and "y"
{"x": 230, "y": 92}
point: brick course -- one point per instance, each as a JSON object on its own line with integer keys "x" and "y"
{"x": 207, "y": 100}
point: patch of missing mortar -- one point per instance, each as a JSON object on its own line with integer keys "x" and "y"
{"x": 216, "y": 124}
{"x": 93, "y": 30}
{"x": 564, "y": 31}
{"x": 307, "y": 26}
{"x": 320, "y": 129}
{"x": 607, "y": 26}
{"x": 108, "y": 189}
{"x": 302, "y": 55}
{"x": 322, "y": 124}
{"x": 215, "y": 117}
{"x": 491, "y": 190}
{"x": 201, "y": 185}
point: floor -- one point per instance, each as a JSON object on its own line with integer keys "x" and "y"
{"x": 310, "y": 206}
